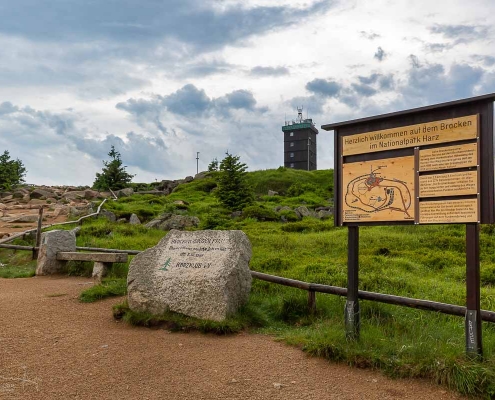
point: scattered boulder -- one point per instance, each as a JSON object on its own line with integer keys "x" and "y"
{"x": 121, "y": 221}
{"x": 2, "y": 206}
{"x": 63, "y": 210}
{"x": 272, "y": 193}
{"x": 41, "y": 193}
{"x": 302, "y": 211}
{"x": 203, "y": 274}
{"x": 108, "y": 215}
{"x": 324, "y": 214}
{"x": 25, "y": 219}
{"x": 188, "y": 179}
{"x": 328, "y": 208}
{"x": 236, "y": 214}
{"x": 18, "y": 194}
{"x": 169, "y": 221}
{"x": 167, "y": 186}
{"x": 51, "y": 243}
{"x": 125, "y": 192}
{"x": 134, "y": 220}
{"x": 201, "y": 175}
{"x": 106, "y": 195}
{"x": 181, "y": 203}
{"x": 74, "y": 195}
{"x": 79, "y": 211}
{"x": 282, "y": 208}
{"x": 36, "y": 202}
{"x": 90, "y": 194}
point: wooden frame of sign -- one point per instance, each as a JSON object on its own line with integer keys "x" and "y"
{"x": 429, "y": 165}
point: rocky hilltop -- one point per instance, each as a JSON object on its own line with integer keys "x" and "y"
{"x": 19, "y": 208}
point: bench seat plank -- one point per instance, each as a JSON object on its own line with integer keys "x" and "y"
{"x": 96, "y": 257}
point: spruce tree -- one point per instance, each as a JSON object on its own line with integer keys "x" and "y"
{"x": 233, "y": 190}
{"x": 113, "y": 175}
{"x": 11, "y": 171}
{"x": 213, "y": 166}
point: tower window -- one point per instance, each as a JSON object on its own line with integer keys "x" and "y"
{"x": 291, "y": 134}
{"x": 291, "y": 144}
{"x": 292, "y": 165}
{"x": 292, "y": 154}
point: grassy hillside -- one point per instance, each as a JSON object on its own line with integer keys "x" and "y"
{"x": 426, "y": 262}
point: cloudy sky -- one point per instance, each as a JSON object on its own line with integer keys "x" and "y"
{"x": 164, "y": 79}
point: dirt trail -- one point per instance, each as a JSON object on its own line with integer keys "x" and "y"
{"x": 54, "y": 347}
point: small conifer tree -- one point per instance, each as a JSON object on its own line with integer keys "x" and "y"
{"x": 11, "y": 171}
{"x": 213, "y": 166}
{"x": 113, "y": 175}
{"x": 233, "y": 190}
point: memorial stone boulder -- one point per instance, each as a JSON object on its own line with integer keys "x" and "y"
{"x": 203, "y": 274}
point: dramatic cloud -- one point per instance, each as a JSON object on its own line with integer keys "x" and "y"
{"x": 384, "y": 82}
{"x": 432, "y": 83}
{"x": 486, "y": 60}
{"x": 460, "y": 32}
{"x": 204, "y": 68}
{"x": 67, "y": 136}
{"x": 188, "y": 21}
{"x": 326, "y": 88}
{"x": 164, "y": 80}
{"x": 269, "y": 71}
{"x": 380, "y": 54}
{"x": 189, "y": 101}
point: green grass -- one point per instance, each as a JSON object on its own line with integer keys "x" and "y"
{"x": 108, "y": 288}
{"x": 424, "y": 262}
{"x": 16, "y": 264}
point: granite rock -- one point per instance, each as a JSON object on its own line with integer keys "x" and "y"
{"x": 203, "y": 274}
{"x": 51, "y": 243}
{"x": 134, "y": 220}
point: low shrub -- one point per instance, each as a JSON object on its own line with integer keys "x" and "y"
{"x": 261, "y": 213}
{"x": 288, "y": 215}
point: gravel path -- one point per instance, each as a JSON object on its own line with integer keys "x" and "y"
{"x": 54, "y": 347}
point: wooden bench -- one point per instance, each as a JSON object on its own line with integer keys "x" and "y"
{"x": 102, "y": 261}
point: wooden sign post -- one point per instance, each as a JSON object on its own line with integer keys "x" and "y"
{"x": 352, "y": 312}
{"x": 430, "y": 165}
{"x": 473, "y": 331}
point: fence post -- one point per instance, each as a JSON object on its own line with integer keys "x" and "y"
{"x": 312, "y": 301}
{"x": 38, "y": 234}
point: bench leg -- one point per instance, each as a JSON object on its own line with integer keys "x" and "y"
{"x": 100, "y": 269}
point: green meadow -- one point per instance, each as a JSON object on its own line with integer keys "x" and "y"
{"x": 423, "y": 262}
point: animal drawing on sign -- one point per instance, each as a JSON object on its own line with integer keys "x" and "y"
{"x": 373, "y": 193}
